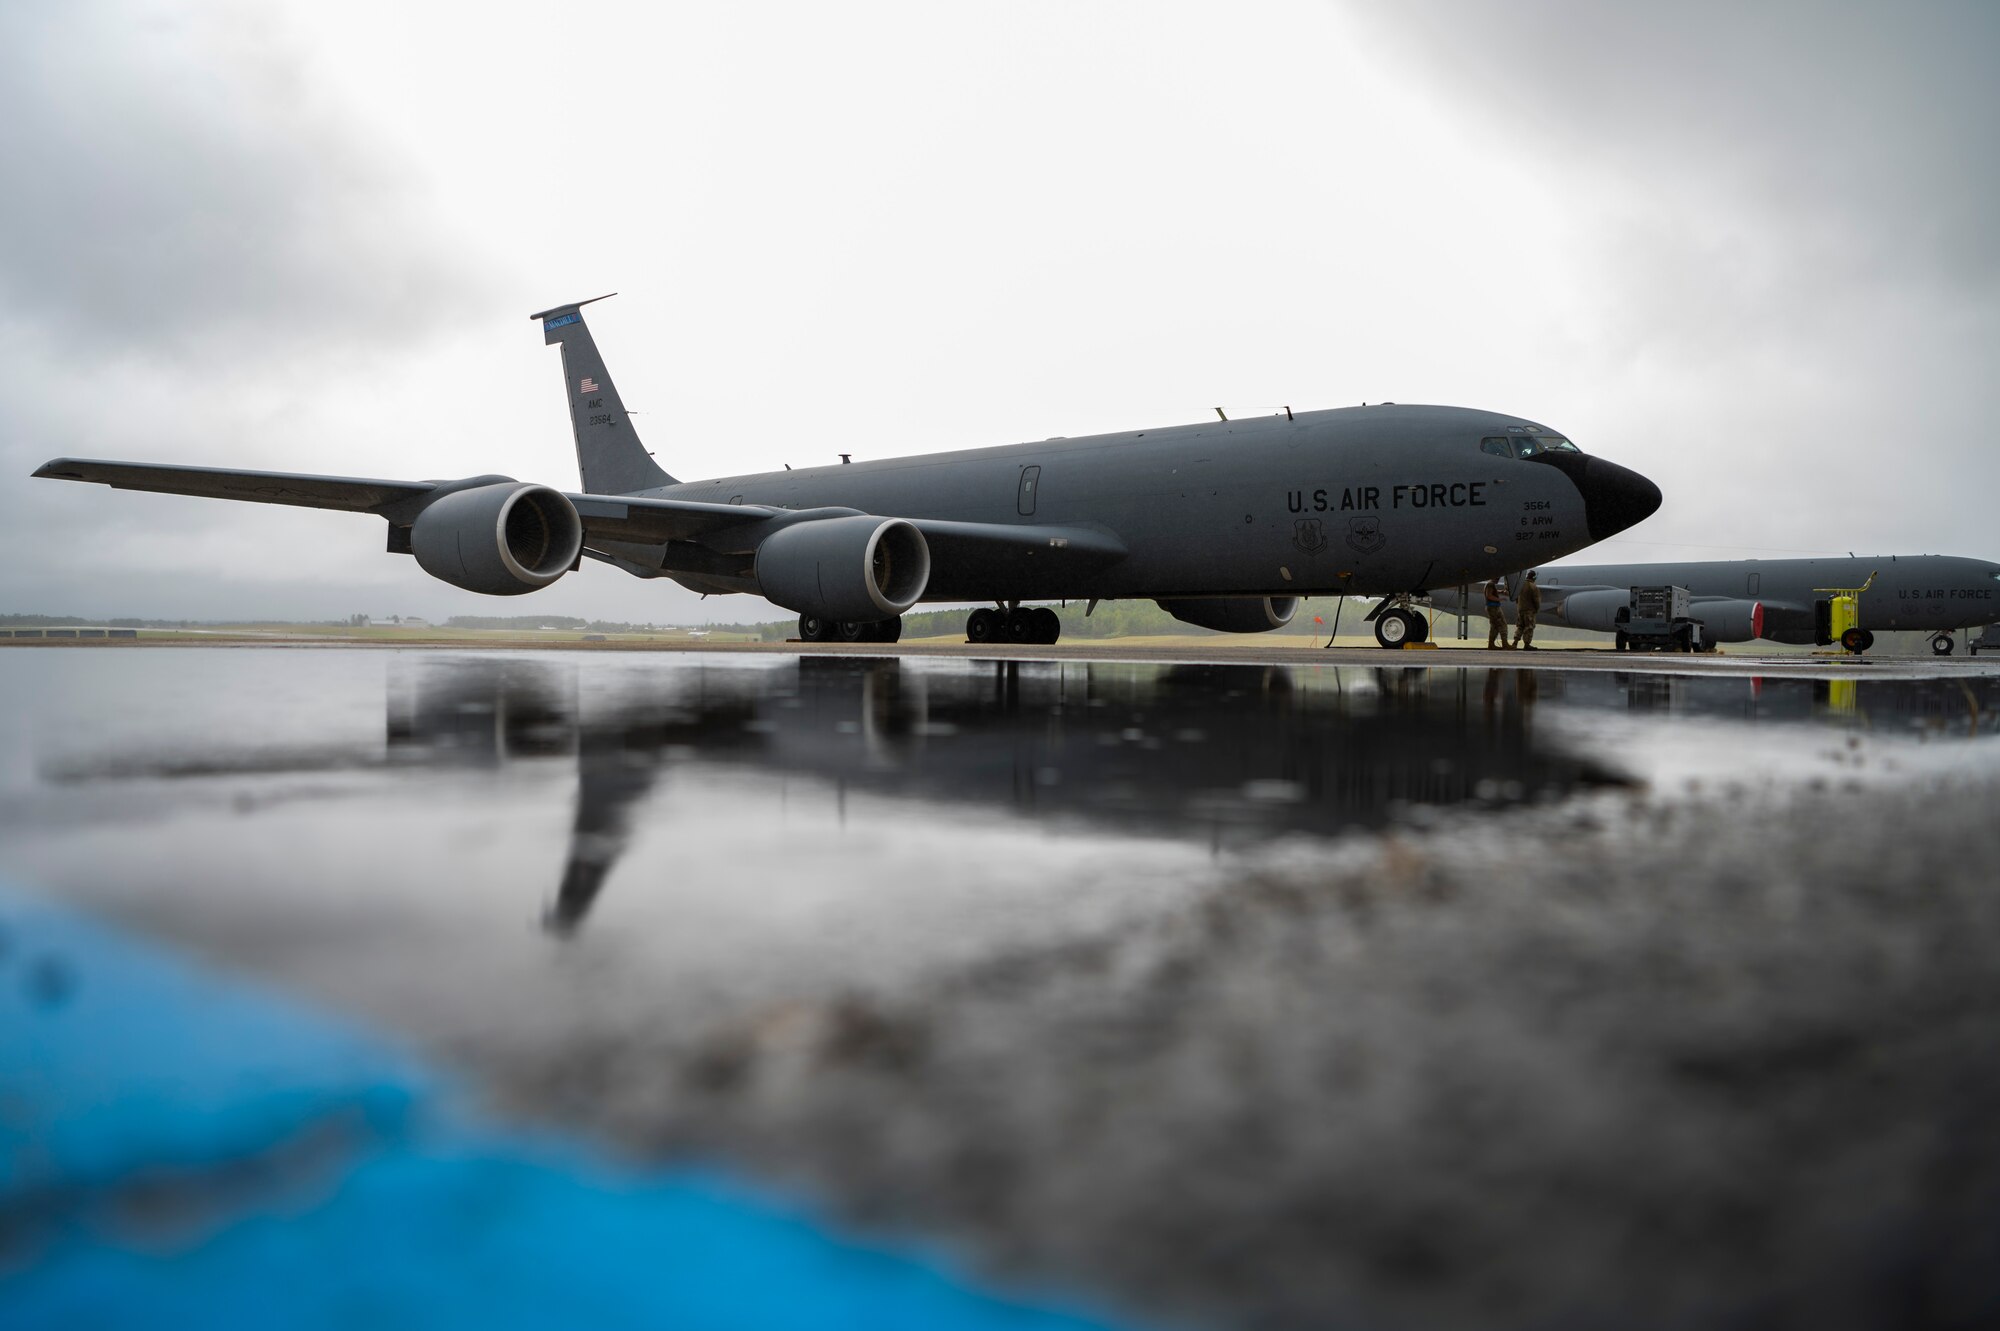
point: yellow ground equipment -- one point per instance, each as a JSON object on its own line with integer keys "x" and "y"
{"x": 1838, "y": 618}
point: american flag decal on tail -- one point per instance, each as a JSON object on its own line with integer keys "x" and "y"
{"x": 587, "y": 386}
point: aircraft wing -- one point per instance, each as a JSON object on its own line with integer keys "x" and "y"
{"x": 351, "y": 494}
{"x": 655, "y": 521}
{"x": 632, "y": 518}
{"x": 615, "y": 517}
{"x": 956, "y": 542}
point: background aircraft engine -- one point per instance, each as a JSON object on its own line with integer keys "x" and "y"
{"x": 1235, "y": 614}
{"x": 501, "y": 539}
{"x": 1597, "y": 610}
{"x": 860, "y": 568}
{"x": 1730, "y": 621}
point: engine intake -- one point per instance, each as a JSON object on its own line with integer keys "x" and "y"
{"x": 500, "y": 540}
{"x": 855, "y": 568}
{"x": 1234, "y": 614}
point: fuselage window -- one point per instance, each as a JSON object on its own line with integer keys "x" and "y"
{"x": 1751, "y": 588}
{"x": 1030, "y": 478}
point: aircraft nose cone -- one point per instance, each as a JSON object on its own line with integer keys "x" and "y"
{"x": 1614, "y": 497}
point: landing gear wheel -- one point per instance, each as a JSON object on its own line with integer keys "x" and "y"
{"x": 1624, "y": 643}
{"x": 1420, "y": 626}
{"x": 1048, "y": 626}
{"x": 1942, "y": 645}
{"x": 813, "y": 628}
{"x": 857, "y": 630}
{"x": 1019, "y": 626}
{"x": 890, "y": 630}
{"x": 982, "y": 625}
{"x": 1393, "y": 628}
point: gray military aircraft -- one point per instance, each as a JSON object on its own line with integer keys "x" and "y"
{"x": 1226, "y": 524}
{"x": 1782, "y": 600}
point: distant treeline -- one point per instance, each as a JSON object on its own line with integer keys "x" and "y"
{"x": 1111, "y": 619}
{"x": 531, "y": 622}
{"x": 56, "y": 621}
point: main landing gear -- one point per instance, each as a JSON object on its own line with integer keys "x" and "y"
{"x": 1397, "y": 626}
{"x": 1943, "y": 645}
{"x": 1029, "y": 625}
{"x": 812, "y": 628}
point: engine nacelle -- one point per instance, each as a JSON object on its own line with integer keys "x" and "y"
{"x": 1234, "y": 614}
{"x": 501, "y": 539}
{"x": 1730, "y": 621}
{"x": 855, "y": 568}
{"x": 1600, "y": 611}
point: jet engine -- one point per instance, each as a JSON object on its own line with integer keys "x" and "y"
{"x": 860, "y": 568}
{"x": 1234, "y": 614}
{"x": 1730, "y": 621}
{"x": 501, "y": 539}
{"x": 1600, "y": 611}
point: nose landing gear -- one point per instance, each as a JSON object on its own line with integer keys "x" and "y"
{"x": 1943, "y": 644}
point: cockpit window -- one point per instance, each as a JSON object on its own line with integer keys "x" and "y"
{"x": 1525, "y": 445}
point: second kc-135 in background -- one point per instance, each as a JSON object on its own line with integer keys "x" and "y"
{"x": 1226, "y": 524}
{"x": 1738, "y": 600}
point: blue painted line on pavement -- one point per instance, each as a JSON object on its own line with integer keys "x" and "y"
{"x": 178, "y": 1147}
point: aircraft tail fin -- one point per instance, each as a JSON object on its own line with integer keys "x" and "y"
{"x": 608, "y": 451}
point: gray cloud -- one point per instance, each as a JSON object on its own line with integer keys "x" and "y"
{"x": 1782, "y": 243}
{"x": 172, "y": 179}
{"x": 1866, "y": 124}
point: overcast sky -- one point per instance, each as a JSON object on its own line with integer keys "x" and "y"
{"x": 1746, "y": 249}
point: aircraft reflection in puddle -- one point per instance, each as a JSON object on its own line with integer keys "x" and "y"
{"x": 1226, "y": 754}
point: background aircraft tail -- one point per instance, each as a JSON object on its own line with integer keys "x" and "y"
{"x": 608, "y": 451}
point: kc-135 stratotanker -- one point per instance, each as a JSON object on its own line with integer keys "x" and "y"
{"x": 1227, "y": 524}
{"x": 1781, "y": 600}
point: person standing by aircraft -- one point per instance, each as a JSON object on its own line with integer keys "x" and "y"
{"x": 1496, "y": 623}
{"x": 1526, "y": 606}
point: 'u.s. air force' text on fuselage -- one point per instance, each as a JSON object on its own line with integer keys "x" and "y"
{"x": 1458, "y": 494}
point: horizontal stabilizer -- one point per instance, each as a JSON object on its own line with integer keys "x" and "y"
{"x": 559, "y": 311}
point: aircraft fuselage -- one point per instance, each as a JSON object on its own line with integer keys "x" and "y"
{"x": 1923, "y": 593}
{"x": 1369, "y": 500}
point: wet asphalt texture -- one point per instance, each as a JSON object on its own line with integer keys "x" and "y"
{"x": 1715, "y": 1044}
{"x": 1700, "y": 1062}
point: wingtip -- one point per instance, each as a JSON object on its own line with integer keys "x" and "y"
{"x": 58, "y": 469}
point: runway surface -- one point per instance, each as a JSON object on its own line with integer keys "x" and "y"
{"x": 1279, "y": 993}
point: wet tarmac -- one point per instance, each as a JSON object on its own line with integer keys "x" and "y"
{"x": 1237, "y": 994}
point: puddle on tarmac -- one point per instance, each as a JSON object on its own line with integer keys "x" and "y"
{"x": 465, "y": 843}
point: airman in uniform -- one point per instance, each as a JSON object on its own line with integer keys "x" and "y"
{"x": 1496, "y": 623}
{"x": 1526, "y": 606}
